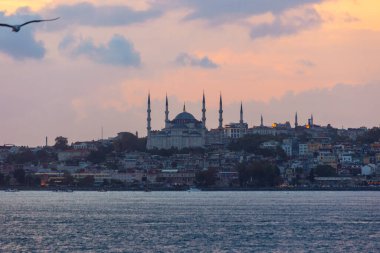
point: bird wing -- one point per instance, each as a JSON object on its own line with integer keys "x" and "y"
{"x": 6, "y": 25}
{"x": 38, "y": 20}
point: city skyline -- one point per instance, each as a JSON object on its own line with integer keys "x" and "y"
{"x": 71, "y": 79}
{"x": 158, "y": 121}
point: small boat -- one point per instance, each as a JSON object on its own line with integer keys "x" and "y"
{"x": 11, "y": 190}
{"x": 194, "y": 189}
{"x": 63, "y": 190}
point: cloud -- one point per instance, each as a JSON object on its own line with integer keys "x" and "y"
{"x": 306, "y": 63}
{"x": 185, "y": 59}
{"x": 90, "y": 15}
{"x": 66, "y": 42}
{"x": 348, "y": 18}
{"x": 285, "y": 25}
{"x": 118, "y": 51}
{"x": 221, "y": 11}
{"x": 21, "y": 45}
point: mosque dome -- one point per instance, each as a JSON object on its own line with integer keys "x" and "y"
{"x": 184, "y": 118}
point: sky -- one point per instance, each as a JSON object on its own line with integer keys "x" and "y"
{"x": 93, "y": 68}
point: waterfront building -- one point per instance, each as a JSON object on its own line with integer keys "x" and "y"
{"x": 369, "y": 170}
{"x": 176, "y": 177}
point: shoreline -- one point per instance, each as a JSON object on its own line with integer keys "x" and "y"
{"x": 208, "y": 189}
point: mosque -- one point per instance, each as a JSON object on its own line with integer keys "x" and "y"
{"x": 185, "y": 131}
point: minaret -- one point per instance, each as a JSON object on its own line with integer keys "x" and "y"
{"x": 184, "y": 107}
{"x": 296, "y": 121}
{"x": 204, "y": 110}
{"x": 311, "y": 120}
{"x": 166, "y": 112}
{"x": 262, "y": 121}
{"x": 148, "y": 128}
{"x": 220, "y": 112}
{"x": 241, "y": 131}
{"x": 241, "y": 113}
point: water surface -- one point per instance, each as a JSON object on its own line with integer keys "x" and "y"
{"x": 190, "y": 222}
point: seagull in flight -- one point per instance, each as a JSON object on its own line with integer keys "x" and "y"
{"x": 16, "y": 28}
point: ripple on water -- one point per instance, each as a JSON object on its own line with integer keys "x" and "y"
{"x": 190, "y": 222}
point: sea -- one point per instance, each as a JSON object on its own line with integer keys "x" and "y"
{"x": 249, "y": 221}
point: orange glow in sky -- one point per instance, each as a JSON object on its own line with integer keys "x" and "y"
{"x": 11, "y": 6}
{"x": 73, "y": 66}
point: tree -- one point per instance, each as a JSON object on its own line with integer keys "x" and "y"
{"x": 281, "y": 154}
{"x": 304, "y": 136}
{"x": 87, "y": 181}
{"x": 68, "y": 179}
{"x": 251, "y": 144}
{"x": 311, "y": 176}
{"x": 45, "y": 155}
{"x": 259, "y": 174}
{"x": 2, "y": 179}
{"x": 325, "y": 171}
{"x": 117, "y": 183}
{"x": 61, "y": 143}
{"x": 206, "y": 177}
{"x": 112, "y": 165}
{"x": 25, "y": 155}
{"x": 129, "y": 142}
{"x": 106, "y": 182}
{"x": 371, "y": 136}
{"x": 32, "y": 180}
{"x": 19, "y": 175}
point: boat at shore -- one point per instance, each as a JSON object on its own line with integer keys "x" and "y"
{"x": 11, "y": 190}
{"x": 63, "y": 190}
{"x": 194, "y": 189}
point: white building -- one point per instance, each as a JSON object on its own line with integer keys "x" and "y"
{"x": 73, "y": 154}
{"x": 288, "y": 149}
{"x": 345, "y": 158}
{"x": 270, "y": 144}
{"x": 303, "y": 149}
{"x": 237, "y": 130}
{"x": 369, "y": 170}
{"x": 87, "y": 145}
{"x": 262, "y": 130}
{"x": 184, "y": 131}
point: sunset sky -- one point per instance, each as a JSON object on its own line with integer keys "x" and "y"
{"x": 94, "y": 67}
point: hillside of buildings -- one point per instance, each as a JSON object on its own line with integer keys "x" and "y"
{"x": 318, "y": 156}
